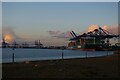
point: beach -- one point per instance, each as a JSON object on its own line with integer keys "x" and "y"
{"x": 95, "y": 67}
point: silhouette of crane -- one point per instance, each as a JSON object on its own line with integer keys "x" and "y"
{"x": 97, "y": 38}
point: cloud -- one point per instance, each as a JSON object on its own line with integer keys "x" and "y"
{"x": 60, "y": 34}
{"x": 10, "y": 35}
{"x": 93, "y": 27}
{"x": 66, "y": 35}
{"x": 112, "y": 29}
{"x": 53, "y": 32}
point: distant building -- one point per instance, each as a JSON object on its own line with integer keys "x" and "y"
{"x": 38, "y": 44}
{"x": 4, "y": 44}
{"x": 25, "y": 45}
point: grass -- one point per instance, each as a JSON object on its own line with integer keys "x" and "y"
{"x": 100, "y": 67}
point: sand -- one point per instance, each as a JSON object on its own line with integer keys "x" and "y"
{"x": 97, "y": 67}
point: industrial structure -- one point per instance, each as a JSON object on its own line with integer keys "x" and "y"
{"x": 38, "y": 44}
{"x": 4, "y": 44}
{"x": 93, "y": 40}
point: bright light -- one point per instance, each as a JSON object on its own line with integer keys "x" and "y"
{"x": 7, "y": 38}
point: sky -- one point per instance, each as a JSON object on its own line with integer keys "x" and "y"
{"x": 60, "y": 0}
{"x": 51, "y": 22}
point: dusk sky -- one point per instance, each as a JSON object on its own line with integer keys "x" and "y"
{"x": 51, "y": 22}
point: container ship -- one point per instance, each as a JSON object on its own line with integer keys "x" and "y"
{"x": 97, "y": 40}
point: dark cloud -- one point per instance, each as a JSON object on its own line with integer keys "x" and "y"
{"x": 53, "y": 32}
{"x": 59, "y": 34}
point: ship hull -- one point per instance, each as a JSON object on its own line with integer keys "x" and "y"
{"x": 92, "y": 47}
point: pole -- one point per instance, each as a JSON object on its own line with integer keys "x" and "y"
{"x": 94, "y": 40}
{"x": 13, "y": 55}
{"x": 107, "y": 53}
{"x": 86, "y": 54}
{"x": 62, "y": 54}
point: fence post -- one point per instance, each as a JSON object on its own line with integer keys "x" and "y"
{"x": 13, "y": 55}
{"x": 107, "y": 53}
{"x": 62, "y": 53}
{"x": 86, "y": 54}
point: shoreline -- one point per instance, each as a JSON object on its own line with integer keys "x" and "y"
{"x": 59, "y": 59}
{"x": 62, "y": 49}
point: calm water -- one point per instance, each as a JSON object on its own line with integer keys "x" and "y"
{"x": 47, "y": 54}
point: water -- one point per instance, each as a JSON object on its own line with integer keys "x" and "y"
{"x": 47, "y": 54}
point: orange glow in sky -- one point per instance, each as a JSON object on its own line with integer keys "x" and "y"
{"x": 105, "y": 27}
{"x": 93, "y": 27}
{"x": 8, "y": 38}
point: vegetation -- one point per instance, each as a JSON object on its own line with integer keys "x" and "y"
{"x": 100, "y": 67}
